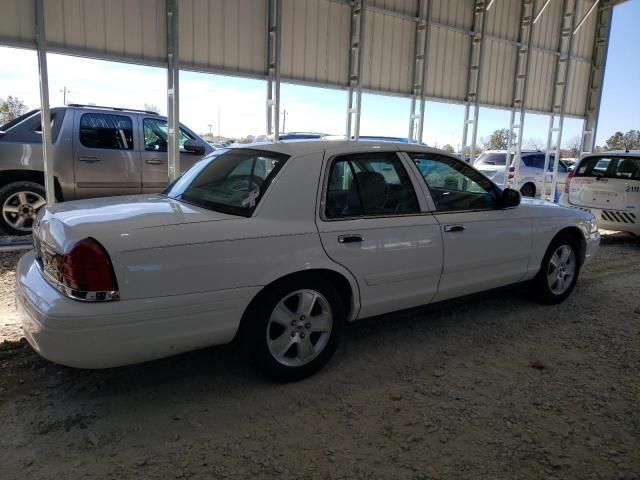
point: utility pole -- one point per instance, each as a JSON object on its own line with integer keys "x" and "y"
{"x": 64, "y": 91}
{"x": 210, "y": 132}
{"x": 218, "y": 122}
{"x": 284, "y": 121}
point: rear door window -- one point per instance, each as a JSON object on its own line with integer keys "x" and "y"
{"x": 369, "y": 184}
{"x": 103, "y": 130}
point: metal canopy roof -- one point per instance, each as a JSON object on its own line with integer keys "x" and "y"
{"x": 229, "y": 36}
{"x": 525, "y": 55}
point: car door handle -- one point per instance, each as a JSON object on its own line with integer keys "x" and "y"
{"x": 153, "y": 161}
{"x": 89, "y": 159}
{"x": 350, "y": 238}
{"x": 454, "y": 228}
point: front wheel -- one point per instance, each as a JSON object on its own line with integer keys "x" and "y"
{"x": 559, "y": 270}
{"x": 295, "y": 328}
{"x": 19, "y": 204}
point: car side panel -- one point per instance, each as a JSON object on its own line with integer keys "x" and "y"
{"x": 548, "y": 220}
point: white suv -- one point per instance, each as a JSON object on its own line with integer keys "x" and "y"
{"x": 492, "y": 164}
{"x": 608, "y": 185}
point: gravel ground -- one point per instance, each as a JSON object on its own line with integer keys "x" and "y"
{"x": 492, "y": 387}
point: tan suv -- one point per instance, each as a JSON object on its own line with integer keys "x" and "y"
{"x": 97, "y": 152}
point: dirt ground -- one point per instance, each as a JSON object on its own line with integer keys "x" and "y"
{"x": 493, "y": 387}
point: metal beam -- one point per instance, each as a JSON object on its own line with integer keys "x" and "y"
{"x": 274, "y": 15}
{"x": 354, "y": 82}
{"x": 559, "y": 98}
{"x": 420, "y": 65}
{"x": 586, "y": 15}
{"x": 45, "y": 115}
{"x": 474, "y": 77}
{"x": 596, "y": 78}
{"x": 452, "y": 28}
{"x": 173, "y": 90}
{"x": 541, "y": 11}
{"x": 520, "y": 86}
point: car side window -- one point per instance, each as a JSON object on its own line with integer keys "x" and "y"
{"x": 102, "y": 130}
{"x": 155, "y": 135}
{"x": 369, "y": 184}
{"x": 454, "y": 185}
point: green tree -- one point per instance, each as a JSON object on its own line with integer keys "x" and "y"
{"x": 624, "y": 141}
{"x": 448, "y": 148}
{"x": 498, "y": 140}
{"x": 11, "y": 108}
{"x": 151, "y": 107}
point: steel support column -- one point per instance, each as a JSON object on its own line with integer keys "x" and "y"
{"x": 173, "y": 98}
{"x": 519, "y": 97}
{"x": 45, "y": 115}
{"x": 596, "y": 78}
{"x": 416, "y": 115}
{"x": 274, "y": 16}
{"x": 561, "y": 80}
{"x": 474, "y": 76}
{"x": 358, "y": 14}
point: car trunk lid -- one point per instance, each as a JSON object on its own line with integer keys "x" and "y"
{"x": 112, "y": 220}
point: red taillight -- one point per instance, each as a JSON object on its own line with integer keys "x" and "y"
{"x": 512, "y": 171}
{"x": 568, "y": 181}
{"x": 87, "y": 267}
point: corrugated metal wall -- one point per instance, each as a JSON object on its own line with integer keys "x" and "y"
{"x": 230, "y": 36}
{"x": 315, "y": 39}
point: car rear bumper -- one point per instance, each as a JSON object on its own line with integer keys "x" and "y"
{"x": 111, "y": 334}
{"x": 619, "y": 220}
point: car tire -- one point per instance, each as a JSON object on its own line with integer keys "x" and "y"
{"x": 559, "y": 270}
{"x": 294, "y": 328}
{"x": 19, "y": 204}
{"x": 528, "y": 190}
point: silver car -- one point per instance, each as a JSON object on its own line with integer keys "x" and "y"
{"x": 97, "y": 152}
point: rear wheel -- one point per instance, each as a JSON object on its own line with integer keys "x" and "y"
{"x": 295, "y": 328}
{"x": 528, "y": 190}
{"x": 19, "y": 204}
{"x": 559, "y": 270}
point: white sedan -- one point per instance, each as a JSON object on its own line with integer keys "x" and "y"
{"x": 279, "y": 244}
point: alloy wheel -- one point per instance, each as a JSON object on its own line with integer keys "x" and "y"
{"x": 299, "y": 328}
{"x": 561, "y": 269}
{"x": 20, "y": 209}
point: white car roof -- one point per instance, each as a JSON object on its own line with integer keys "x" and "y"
{"x": 616, "y": 153}
{"x": 302, "y": 147}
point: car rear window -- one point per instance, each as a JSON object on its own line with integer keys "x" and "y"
{"x": 492, "y": 159}
{"x": 610, "y": 167}
{"x": 232, "y": 181}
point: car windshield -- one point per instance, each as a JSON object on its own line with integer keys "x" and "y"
{"x": 232, "y": 181}
{"x": 492, "y": 159}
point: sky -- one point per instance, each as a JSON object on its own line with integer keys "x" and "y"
{"x": 239, "y": 103}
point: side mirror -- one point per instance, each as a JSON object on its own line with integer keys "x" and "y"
{"x": 194, "y": 146}
{"x": 510, "y": 198}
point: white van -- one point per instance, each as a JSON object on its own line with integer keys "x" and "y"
{"x": 608, "y": 185}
